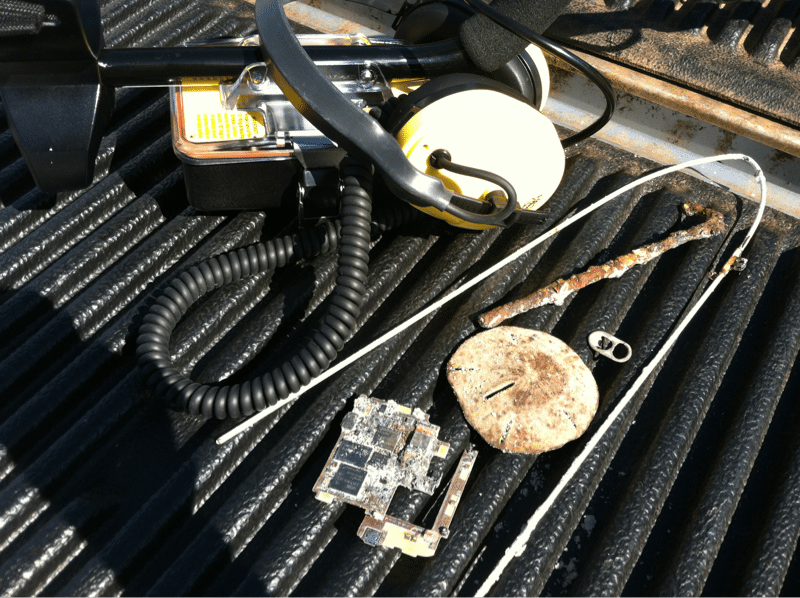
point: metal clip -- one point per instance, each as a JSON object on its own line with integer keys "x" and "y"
{"x": 606, "y": 344}
{"x": 253, "y": 81}
{"x": 739, "y": 264}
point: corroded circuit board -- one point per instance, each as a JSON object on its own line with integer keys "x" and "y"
{"x": 383, "y": 445}
{"x": 412, "y": 539}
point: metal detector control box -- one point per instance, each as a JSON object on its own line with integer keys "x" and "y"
{"x": 243, "y": 145}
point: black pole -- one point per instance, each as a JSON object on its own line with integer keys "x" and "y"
{"x": 161, "y": 66}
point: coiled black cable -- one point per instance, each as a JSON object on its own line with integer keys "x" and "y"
{"x": 338, "y": 323}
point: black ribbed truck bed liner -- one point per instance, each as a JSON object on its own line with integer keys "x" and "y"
{"x": 744, "y": 52}
{"x": 695, "y": 489}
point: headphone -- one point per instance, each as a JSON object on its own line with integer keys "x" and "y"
{"x": 455, "y": 122}
{"x": 463, "y": 147}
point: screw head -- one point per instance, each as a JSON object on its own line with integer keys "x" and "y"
{"x": 257, "y": 77}
{"x": 366, "y": 77}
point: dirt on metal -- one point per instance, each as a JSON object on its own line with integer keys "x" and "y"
{"x": 720, "y": 113}
{"x": 557, "y": 292}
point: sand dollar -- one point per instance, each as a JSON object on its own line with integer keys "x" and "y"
{"x": 524, "y": 391}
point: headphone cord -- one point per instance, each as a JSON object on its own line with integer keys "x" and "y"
{"x": 352, "y": 236}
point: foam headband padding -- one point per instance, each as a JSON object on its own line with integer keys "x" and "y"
{"x": 490, "y": 46}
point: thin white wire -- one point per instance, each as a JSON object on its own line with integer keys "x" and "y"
{"x": 518, "y": 546}
{"x": 233, "y": 432}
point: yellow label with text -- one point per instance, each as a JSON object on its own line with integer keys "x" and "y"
{"x": 206, "y": 120}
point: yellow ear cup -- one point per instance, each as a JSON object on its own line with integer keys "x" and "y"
{"x": 491, "y": 131}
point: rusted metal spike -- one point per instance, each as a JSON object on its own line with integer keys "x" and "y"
{"x": 555, "y": 293}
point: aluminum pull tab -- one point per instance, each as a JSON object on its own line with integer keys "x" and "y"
{"x": 603, "y": 343}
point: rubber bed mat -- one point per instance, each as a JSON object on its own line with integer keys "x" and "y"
{"x": 744, "y": 51}
{"x": 104, "y": 491}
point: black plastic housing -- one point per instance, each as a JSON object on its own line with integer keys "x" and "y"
{"x": 243, "y": 185}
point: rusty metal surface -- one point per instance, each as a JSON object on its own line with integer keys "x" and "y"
{"x": 701, "y": 106}
{"x": 320, "y": 17}
{"x": 668, "y": 137}
{"x": 744, "y": 51}
{"x": 325, "y": 22}
{"x": 556, "y": 293}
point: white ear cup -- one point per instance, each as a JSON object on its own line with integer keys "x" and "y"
{"x": 541, "y": 72}
{"x": 491, "y": 131}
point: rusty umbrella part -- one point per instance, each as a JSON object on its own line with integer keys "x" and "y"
{"x": 557, "y": 292}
